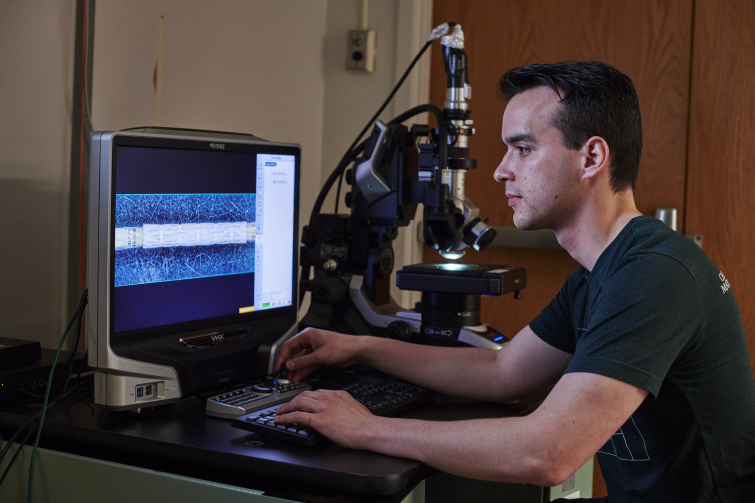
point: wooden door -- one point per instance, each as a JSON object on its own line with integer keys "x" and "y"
{"x": 647, "y": 40}
{"x": 721, "y": 185}
{"x": 650, "y": 41}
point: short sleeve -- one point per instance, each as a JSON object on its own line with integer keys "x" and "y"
{"x": 555, "y": 324}
{"x": 641, "y": 320}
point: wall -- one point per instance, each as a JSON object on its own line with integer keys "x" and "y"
{"x": 275, "y": 69}
{"x": 36, "y": 89}
{"x": 352, "y": 98}
{"x": 250, "y": 67}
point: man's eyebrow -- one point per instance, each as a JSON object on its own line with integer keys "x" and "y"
{"x": 525, "y": 137}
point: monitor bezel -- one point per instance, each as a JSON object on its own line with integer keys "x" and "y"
{"x": 201, "y": 144}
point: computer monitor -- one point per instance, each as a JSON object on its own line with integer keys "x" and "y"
{"x": 193, "y": 260}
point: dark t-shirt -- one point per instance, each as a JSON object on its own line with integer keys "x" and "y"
{"x": 655, "y": 312}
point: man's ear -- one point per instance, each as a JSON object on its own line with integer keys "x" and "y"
{"x": 595, "y": 154}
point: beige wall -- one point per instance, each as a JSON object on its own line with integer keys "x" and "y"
{"x": 36, "y": 91}
{"x": 272, "y": 68}
{"x": 352, "y": 98}
{"x": 244, "y": 66}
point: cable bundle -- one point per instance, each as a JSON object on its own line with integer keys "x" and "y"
{"x": 38, "y": 419}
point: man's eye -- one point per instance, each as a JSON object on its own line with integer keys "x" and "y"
{"x": 524, "y": 150}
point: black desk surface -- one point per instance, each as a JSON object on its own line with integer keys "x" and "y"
{"x": 181, "y": 439}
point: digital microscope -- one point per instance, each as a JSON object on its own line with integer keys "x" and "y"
{"x": 394, "y": 170}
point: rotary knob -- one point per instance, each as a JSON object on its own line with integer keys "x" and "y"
{"x": 400, "y": 330}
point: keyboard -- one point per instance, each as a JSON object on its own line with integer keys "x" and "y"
{"x": 382, "y": 396}
{"x": 242, "y": 401}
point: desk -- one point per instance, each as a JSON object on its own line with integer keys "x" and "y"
{"x": 178, "y": 440}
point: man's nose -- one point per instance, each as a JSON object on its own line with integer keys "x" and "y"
{"x": 502, "y": 172}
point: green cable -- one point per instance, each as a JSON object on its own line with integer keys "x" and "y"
{"x": 47, "y": 397}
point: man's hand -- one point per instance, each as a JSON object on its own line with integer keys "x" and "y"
{"x": 334, "y": 414}
{"x": 313, "y": 348}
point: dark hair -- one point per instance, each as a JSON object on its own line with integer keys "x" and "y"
{"x": 598, "y": 100}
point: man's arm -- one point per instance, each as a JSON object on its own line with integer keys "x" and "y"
{"x": 523, "y": 367}
{"x": 581, "y": 413}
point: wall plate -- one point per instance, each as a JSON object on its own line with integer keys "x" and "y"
{"x": 360, "y": 50}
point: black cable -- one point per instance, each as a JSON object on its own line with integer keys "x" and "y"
{"x": 71, "y": 360}
{"x": 442, "y": 128}
{"x": 15, "y": 455}
{"x": 338, "y": 191}
{"x": 354, "y": 150}
{"x": 76, "y": 338}
{"x": 329, "y": 183}
{"x": 12, "y": 439}
{"x": 347, "y": 159}
{"x": 82, "y": 365}
{"x": 18, "y": 432}
{"x": 31, "y": 420}
{"x": 353, "y": 155}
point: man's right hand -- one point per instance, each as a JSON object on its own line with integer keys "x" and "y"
{"x": 313, "y": 348}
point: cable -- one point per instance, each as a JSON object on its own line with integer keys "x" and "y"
{"x": 347, "y": 159}
{"x": 351, "y": 154}
{"x": 15, "y": 455}
{"x": 442, "y": 128}
{"x": 69, "y": 364}
{"x": 338, "y": 191}
{"x": 329, "y": 184}
{"x": 85, "y": 112}
{"x": 18, "y": 432}
{"x": 23, "y": 442}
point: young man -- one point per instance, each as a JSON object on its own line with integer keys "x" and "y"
{"x": 644, "y": 344}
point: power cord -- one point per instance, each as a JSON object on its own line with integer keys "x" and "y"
{"x": 29, "y": 433}
{"x": 71, "y": 361}
{"x": 356, "y": 148}
{"x": 380, "y": 110}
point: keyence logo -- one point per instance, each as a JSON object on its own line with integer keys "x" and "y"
{"x": 218, "y": 145}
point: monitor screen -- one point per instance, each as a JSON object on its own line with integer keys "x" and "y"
{"x": 200, "y": 234}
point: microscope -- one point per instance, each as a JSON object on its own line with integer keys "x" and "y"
{"x": 394, "y": 170}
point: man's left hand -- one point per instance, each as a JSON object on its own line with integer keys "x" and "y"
{"x": 334, "y": 414}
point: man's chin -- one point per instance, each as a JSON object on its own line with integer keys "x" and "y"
{"x": 522, "y": 224}
{"x": 527, "y": 225}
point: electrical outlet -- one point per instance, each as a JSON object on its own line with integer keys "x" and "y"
{"x": 360, "y": 50}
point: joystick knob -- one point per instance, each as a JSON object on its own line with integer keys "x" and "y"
{"x": 266, "y": 386}
{"x": 283, "y": 375}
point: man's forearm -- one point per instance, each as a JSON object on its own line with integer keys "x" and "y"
{"x": 503, "y": 450}
{"x": 581, "y": 413}
{"x": 452, "y": 371}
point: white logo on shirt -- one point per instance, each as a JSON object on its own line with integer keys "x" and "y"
{"x": 725, "y": 286}
{"x": 627, "y": 444}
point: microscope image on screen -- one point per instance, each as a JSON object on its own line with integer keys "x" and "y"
{"x": 170, "y": 237}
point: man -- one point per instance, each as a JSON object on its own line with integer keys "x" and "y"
{"x": 644, "y": 344}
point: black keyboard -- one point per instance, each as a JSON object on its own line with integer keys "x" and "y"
{"x": 382, "y": 396}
